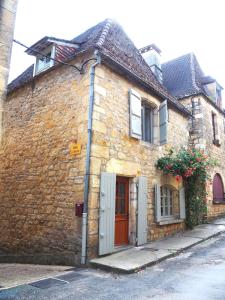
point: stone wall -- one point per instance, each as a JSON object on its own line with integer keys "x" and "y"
{"x": 40, "y": 180}
{"x": 204, "y": 139}
{"x": 113, "y": 150}
{"x": 7, "y": 20}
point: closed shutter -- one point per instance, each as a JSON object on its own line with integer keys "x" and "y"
{"x": 135, "y": 114}
{"x": 182, "y": 203}
{"x": 157, "y": 203}
{"x": 142, "y": 223}
{"x": 107, "y": 213}
{"x": 163, "y": 122}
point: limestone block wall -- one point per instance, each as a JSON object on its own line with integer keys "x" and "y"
{"x": 7, "y": 20}
{"x": 40, "y": 180}
{"x": 113, "y": 150}
{"x": 205, "y": 140}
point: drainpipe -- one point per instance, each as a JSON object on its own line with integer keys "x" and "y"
{"x": 87, "y": 163}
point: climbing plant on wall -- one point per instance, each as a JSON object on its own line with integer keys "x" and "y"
{"x": 192, "y": 166}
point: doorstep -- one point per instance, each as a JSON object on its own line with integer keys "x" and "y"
{"x": 137, "y": 258}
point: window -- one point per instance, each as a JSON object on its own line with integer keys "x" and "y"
{"x": 147, "y": 123}
{"x": 45, "y": 62}
{"x": 218, "y": 190}
{"x": 215, "y": 130}
{"x": 166, "y": 201}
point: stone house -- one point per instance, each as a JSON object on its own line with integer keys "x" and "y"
{"x": 82, "y": 137}
{"x": 202, "y": 94}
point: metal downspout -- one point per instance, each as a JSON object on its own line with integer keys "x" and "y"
{"x": 87, "y": 163}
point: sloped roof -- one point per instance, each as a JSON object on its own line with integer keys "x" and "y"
{"x": 184, "y": 77}
{"x": 111, "y": 41}
{"x": 180, "y": 76}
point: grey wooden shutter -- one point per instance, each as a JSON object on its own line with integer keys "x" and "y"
{"x": 135, "y": 114}
{"x": 157, "y": 203}
{"x": 182, "y": 203}
{"x": 107, "y": 213}
{"x": 155, "y": 126}
{"x": 142, "y": 222}
{"x": 163, "y": 122}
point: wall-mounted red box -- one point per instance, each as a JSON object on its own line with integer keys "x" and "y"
{"x": 79, "y": 209}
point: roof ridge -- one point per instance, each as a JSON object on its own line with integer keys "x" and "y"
{"x": 193, "y": 77}
{"x": 104, "y": 33}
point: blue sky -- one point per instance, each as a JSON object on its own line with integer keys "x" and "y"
{"x": 176, "y": 27}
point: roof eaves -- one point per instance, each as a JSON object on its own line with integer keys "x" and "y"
{"x": 178, "y": 106}
{"x": 207, "y": 98}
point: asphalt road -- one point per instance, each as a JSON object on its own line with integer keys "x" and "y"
{"x": 198, "y": 273}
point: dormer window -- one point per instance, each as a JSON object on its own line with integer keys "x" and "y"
{"x": 44, "y": 62}
{"x": 49, "y": 48}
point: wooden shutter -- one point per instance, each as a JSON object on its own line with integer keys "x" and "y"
{"x": 163, "y": 122}
{"x": 135, "y": 114}
{"x": 107, "y": 213}
{"x": 142, "y": 223}
{"x": 155, "y": 126}
{"x": 157, "y": 203}
{"x": 182, "y": 203}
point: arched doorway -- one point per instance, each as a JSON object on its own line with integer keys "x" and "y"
{"x": 218, "y": 190}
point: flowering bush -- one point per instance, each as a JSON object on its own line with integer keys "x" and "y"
{"x": 192, "y": 166}
{"x": 185, "y": 163}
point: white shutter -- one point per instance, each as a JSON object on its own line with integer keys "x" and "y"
{"x": 107, "y": 213}
{"x": 157, "y": 203}
{"x": 142, "y": 223}
{"x": 182, "y": 203}
{"x": 163, "y": 122}
{"x": 135, "y": 114}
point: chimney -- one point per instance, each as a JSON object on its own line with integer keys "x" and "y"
{"x": 151, "y": 55}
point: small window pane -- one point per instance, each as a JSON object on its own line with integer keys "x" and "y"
{"x": 166, "y": 201}
{"x": 147, "y": 123}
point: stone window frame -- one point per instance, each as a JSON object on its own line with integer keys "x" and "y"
{"x": 215, "y": 129}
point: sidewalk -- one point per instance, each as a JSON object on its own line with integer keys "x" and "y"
{"x": 17, "y": 274}
{"x": 137, "y": 258}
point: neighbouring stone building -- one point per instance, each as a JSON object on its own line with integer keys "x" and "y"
{"x": 84, "y": 136}
{"x": 7, "y": 21}
{"x": 202, "y": 94}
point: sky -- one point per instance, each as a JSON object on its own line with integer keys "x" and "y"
{"x": 177, "y": 27}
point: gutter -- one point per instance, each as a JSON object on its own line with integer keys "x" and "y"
{"x": 87, "y": 163}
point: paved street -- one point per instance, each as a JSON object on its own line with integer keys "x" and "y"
{"x": 198, "y": 273}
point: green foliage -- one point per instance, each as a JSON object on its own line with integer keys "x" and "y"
{"x": 190, "y": 165}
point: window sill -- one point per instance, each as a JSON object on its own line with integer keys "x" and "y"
{"x": 170, "y": 221}
{"x": 217, "y": 143}
{"x": 148, "y": 144}
{"x": 219, "y": 203}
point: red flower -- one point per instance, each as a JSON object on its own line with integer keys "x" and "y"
{"x": 178, "y": 178}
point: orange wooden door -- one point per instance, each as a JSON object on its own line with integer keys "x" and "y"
{"x": 122, "y": 211}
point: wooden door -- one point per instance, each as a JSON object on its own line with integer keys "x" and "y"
{"x": 122, "y": 211}
{"x": 218, "y": 190}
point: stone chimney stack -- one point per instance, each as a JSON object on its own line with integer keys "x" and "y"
{"x": 151, "y": 55}
{"x": 7, "y": 22}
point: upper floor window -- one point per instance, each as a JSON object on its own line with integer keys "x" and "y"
{"x": 216, "y": 140}
{"x": 44, "y": 62}
{"x": 147, "y": 123}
